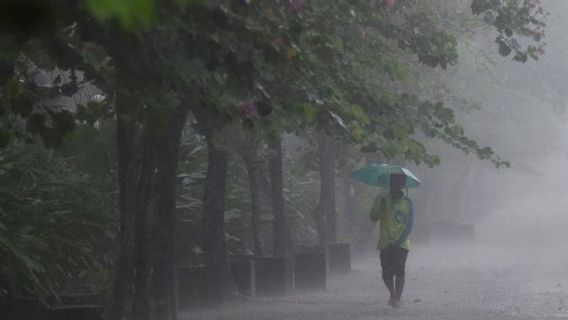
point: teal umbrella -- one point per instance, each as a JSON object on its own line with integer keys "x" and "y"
{"x": 379, "y": 175}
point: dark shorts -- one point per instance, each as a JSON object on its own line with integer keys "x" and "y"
{"x": 393, "y": 261}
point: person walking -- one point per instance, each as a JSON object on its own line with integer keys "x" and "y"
{"x": 395, "y": 213}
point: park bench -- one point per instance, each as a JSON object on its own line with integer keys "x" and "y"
{"x": 310, "y": 268}
{"x": 252, "y": 275}
{"x": 339, "y": 255}
{"x": 75, "y": 302}
{"x": 72, "y": 302}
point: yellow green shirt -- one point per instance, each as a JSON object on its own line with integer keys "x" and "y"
{"x": 396, "y": 219}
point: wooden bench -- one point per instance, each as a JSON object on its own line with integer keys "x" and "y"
{"x": 310, "y": 269}
{"x": 71, "y": 303}
{"x": 75, "y": 301}
{"x": 339, "y": 255}
{"x": 274, "y": 276}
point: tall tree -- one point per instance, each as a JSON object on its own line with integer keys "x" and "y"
{"x": 163, "y": 228}
{"x": 213, "y": 241}
{"x": 325, "y": 210}
{"x": 280, "y": 227}
{"x": 249, "y": 152}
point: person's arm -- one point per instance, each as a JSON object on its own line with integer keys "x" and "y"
{"x": 408, "y": 228}
{"x": 377, "y": 209}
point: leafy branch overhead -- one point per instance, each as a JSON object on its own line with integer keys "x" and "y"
{"x": 514, "y": 19}
{"x": 254, "y": 60}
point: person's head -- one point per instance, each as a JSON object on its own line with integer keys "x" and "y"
{"x": 396, "y": 183}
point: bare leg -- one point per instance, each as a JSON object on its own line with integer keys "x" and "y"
{"x": 399, "y": 286}
{"x": 389, "y": 282}
{"x": 402, "y": 254}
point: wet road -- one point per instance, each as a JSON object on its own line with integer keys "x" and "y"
{"x": 443, "y": 282}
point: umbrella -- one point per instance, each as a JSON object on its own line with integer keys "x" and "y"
{"x": 379, "y": 175}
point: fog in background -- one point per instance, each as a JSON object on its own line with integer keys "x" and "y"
{"x": 523, "y": 116}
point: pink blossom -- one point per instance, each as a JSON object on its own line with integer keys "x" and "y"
{"x": 278, "y": 41}
{"x": 248, "y": 109}
{"x": 390, "y": 3}
{"x": 297, "y": 6}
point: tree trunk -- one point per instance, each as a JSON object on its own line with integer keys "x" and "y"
{"x": 214, "y": 224}
{"x": 138, "y": 148}
{"x": 126, "y": 140}
{"x": 280, "y": 227}
{"x": 324, "y": 213}
{"x": 136, "y": 171}
{"x": 350, "y": 205}
{"x": 137, "y": 144}
{"x": 133, "y": 151}
{"x": 251, "y": 162}
{"x": 141, "y": 301}
{"x": 163, "y": 231}
{"x": 213, "y": 240}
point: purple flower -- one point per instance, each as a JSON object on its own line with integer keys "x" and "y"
{"x": 297, "y": 5}
{"x": 248, "y": 109}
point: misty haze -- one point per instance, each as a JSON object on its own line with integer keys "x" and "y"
{"x": 285, "y": 159}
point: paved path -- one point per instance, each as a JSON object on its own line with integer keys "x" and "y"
{"x": 443, "y": 282}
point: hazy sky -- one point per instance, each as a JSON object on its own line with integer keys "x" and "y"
{"x": 524, "y": 117}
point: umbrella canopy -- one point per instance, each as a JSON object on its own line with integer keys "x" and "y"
{"x": 379, "y": 175}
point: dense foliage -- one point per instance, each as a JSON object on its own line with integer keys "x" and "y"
{"x": 55, "y": 221}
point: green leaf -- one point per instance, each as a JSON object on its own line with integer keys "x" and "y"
{"x": 131, "y": 14}
{"x": 308, "y": 111}
{"x": 5, "y": 138}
